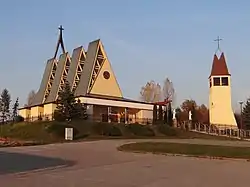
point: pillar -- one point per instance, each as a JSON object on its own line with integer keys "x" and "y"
{"x": 125, "y": 116}
{"x": 109, "y": 112}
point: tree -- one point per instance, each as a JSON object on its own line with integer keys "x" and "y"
{"x": 188, "y": 105}
{"x": 165, "y": 117}
{"x": 15, "y": 109}
{"x": 5, "y": 104}
{"x": 160, "y": 113}
{"x": 246, "y": 114}
{"x": 31, "y": 97}
{"x": 65, "y": 104}
{"x": 151, "y": 92}
{"x": 202, "y": 114}
{"x": 170, "y": 115}
{"x": 154, "y": 113}
{"x": 168, "y": 91}
{"x": 80, "y": 111}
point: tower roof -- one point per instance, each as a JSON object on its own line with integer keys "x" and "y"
{"x": 219, "y": 66}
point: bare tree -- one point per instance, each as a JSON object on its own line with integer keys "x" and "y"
{"x": 168, "y": 91}
{"x": 30, "y": 98}
{"x": 151, "y": 92}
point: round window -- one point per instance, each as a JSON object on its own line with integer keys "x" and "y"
{"x": 106, "y": 74}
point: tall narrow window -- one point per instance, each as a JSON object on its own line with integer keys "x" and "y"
{"x": 210, "y": 83}
{"x": 224, "y": 81}
{"x": 216, "y": 81}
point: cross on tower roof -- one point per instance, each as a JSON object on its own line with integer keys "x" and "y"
{"x": 218, "y": 42}
{"x": 61, "y": 28}
{"x": 60, "y": 41}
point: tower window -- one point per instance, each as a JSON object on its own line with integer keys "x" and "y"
{"x": 216, "y": 81}
{"x": 224, "y": 81}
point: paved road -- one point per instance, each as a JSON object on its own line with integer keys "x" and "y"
{"x": 98, "y": 163}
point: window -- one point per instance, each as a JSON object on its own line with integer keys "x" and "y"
{"x": 210, "y": 83}
{"x": 217, "y": 81}
{"x": 224, "y": 81}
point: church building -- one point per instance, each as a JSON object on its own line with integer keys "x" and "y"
{"x": 93, "y": 80}
{"x": 220, "y": 106}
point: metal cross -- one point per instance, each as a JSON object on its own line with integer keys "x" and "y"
{"x": 61, "y": 28}
{"x": 218, "y": 41}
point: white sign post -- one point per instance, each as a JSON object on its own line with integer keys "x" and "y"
{"x": 68, "y": 133}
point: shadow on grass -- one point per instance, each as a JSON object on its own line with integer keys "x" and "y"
{"x": 11, "y": 163}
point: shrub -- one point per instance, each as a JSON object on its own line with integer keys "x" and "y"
{"x": 58, "y": 129}
{"x": 140, "y": 130}
{"x": 19, "y": 119}
{"x": 167, "y": 130}
{"x": 106, "y": 129}
{"x": 59, "y": 116}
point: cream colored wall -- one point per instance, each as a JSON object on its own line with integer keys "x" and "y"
{"x": 49, "y": 110}
{"x": 25, "y": 113}
{"x": 220, "y": 107}
{"x": 36, "y": 111}
{"x": 104, "y": 86}
{"x": 145, "y": 114}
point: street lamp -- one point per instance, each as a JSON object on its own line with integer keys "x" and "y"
{"x": 241, "y": 103}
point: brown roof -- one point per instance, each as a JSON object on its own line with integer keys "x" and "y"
{"x": 219, "y": 66}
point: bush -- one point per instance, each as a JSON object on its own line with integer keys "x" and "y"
{"x": 140, "y": 130}
{"x": 167, "y": 130}
{"x": 106, "y": 129}
{"x": 59, "y": 116}
{"x": 58, "y": 129}
{"x": 19, "y": 119}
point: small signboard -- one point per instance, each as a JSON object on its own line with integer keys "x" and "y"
{"x": 68, "y": 133}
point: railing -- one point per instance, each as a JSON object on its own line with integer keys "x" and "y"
{"x": 93, "y": 118}
{"x": 218, "y": 130}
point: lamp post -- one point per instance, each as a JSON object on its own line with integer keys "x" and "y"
{"x": 241, "y": 103}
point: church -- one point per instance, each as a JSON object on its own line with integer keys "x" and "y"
{"x": 93, "y": 80}
{"x": 221, "y": 113}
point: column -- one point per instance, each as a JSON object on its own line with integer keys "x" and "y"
{"x": 125, "y": 116}
{"x": 109, "y": 112}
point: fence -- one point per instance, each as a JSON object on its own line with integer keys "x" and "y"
{"x": 218, "y": 130}
{"x": 95, "y": 118}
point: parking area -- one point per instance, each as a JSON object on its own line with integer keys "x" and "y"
{"x": 98, "y": 163}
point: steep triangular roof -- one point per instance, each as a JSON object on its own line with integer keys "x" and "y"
{"x": 219, "y": 66}
{"x": 97, "y": 75}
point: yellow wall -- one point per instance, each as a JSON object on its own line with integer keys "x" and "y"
{"x": 49, "y": 110}
{"x": 25, "y": 113}
{"x": 104, "y": 86}
{"x": 36, "y": 111}
{"x": 220, "y": 107}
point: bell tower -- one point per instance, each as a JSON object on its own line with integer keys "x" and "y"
{"x": 220, "y": 106}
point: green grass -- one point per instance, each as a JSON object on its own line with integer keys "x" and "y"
{"x": 188, "y": 149}
{"x": 51, "y": 132}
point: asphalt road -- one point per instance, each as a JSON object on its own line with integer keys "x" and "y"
{"x": 98, "y": 163}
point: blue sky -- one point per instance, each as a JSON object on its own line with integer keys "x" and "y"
{"x": 145, "y": 40}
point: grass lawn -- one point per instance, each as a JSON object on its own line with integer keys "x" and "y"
{"x": 188, "y": 149}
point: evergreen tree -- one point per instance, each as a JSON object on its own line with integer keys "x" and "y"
{"x": 5, "y": 105}
{"x": 154, "y": 113}
{"x": 160, "y": 113}
{"x": 65, "y": 109}
{"x": 246, "y": 115}
{"x": 15, "y": 109}
{"x": 170, "y": 115}
{"x": 80, "y": 111}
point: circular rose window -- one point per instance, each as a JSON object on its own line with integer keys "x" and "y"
{"x": 106, "y": 74}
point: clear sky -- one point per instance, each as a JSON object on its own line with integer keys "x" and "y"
{"x": 144, "y": 40}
